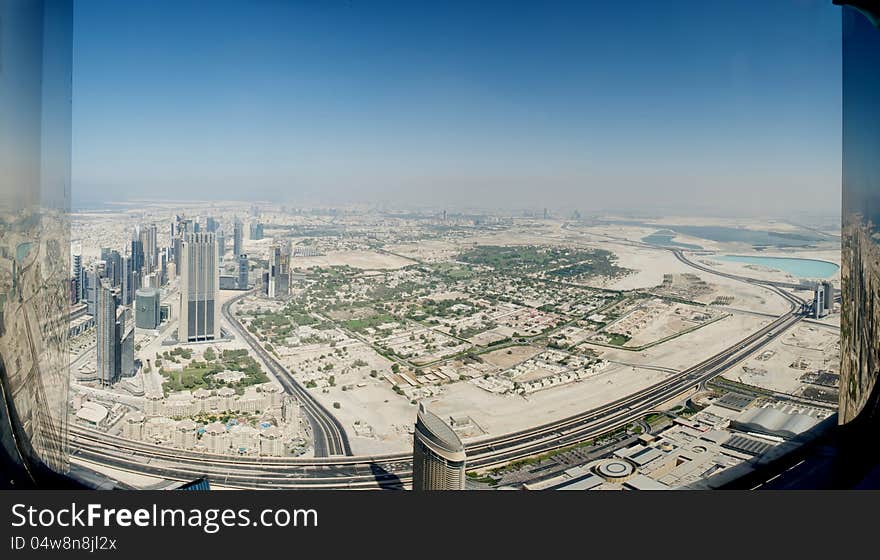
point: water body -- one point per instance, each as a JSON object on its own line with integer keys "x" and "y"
{"x": 23, "y": 250}
{"x": 664, "y": 237}
{"x": 802, "y": 268}
{"x": 723, "y": 234}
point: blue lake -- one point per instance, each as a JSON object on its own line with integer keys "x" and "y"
{"x": 802, "y": 268}
{"x": 664, "y": 238}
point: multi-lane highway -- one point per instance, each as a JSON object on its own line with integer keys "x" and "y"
{"x": 328, "y": 435}
{"x": 394, "y": 470}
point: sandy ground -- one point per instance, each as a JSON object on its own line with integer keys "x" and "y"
{"x": 508, "y": 357}
{"x": 390, "y": 415}
{"x": 814, "y": 345}
{"x": 650, "y": 265}
{"x": 497, "y": 414}
{"x": 691, "y": 348}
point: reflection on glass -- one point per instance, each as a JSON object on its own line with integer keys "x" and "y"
{"x": 860, "y": 273}
{"x": 35, "y": 80}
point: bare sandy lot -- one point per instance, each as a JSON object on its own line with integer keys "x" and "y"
{"x": 508, "y": 357}
{"x": 805, "y": 348}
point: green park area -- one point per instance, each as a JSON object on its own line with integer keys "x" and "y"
{"x": 196, "y": 374}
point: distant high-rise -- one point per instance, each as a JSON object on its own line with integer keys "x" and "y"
{"x": 256, "y": 231}
{"x": 146, "y": 314}
{"x": 274, "y": 266}
{"x": 175, "y": 251}
{"x": 137, "y": 251}
{"x": 126, "y": 346}
{"x": 162, "y": 271}
{"x": 276, "y": 281}
{"x": 114, "y": 268}
{"x": 210, "y": 225}
{"x": 829, "y": 296}
{"x": 243, "y": 266}
{"x": 819, "y": 301}
{"x": 93, "y": 280}
{"x": 152, "y": 248}
{"x": 221, "y": 244}
{"x": 236, "y": 238}
{"x": 77, "y": 278}
{"x": 108, "y": 334}
{"x": 148, "y": 248}
{"x": 438, "y": 454}
{"x": 199, "y": 284}
{"x": 125, "y": 288}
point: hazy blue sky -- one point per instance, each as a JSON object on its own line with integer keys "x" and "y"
{"x": 716, "y": 106}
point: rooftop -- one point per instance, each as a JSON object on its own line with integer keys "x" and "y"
{"x": 437, "y": 431}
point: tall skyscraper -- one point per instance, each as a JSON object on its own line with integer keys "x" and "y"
{"x": 77, "y": 278}
{"x": 221, "y": 244}
{"x": 819, "y": 301}
{"x": 175, "y": 250}
{"x": 199, "y": 284}
{"x": 93, "y": 281}
{"x": 274, "y": 268}
{"x": 162, "y": 271}
{"x": 126, "y": 344}
{"x": 236, "y": 238}
{"x": 243, "y": 266}
{"x": 83, "y": 283}
{"x": 210, "y": 225}
{"x": 152, "y": 248}
{"x": 126, "y": 347}
{"x": 828, "y": 289}
{"x": 147, "y": 308}
{"x": 127, "y": 289}
{"x": 137, "y": 251}
{"x": 438, "y": 454}
{"x": 256, "y": 231}
{"x": 108, "y": 334}
{"x": 114, "y": 268}
{"x": 276, "y": 281}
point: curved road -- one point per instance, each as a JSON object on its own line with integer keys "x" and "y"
{"x": 328, "y": 435}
